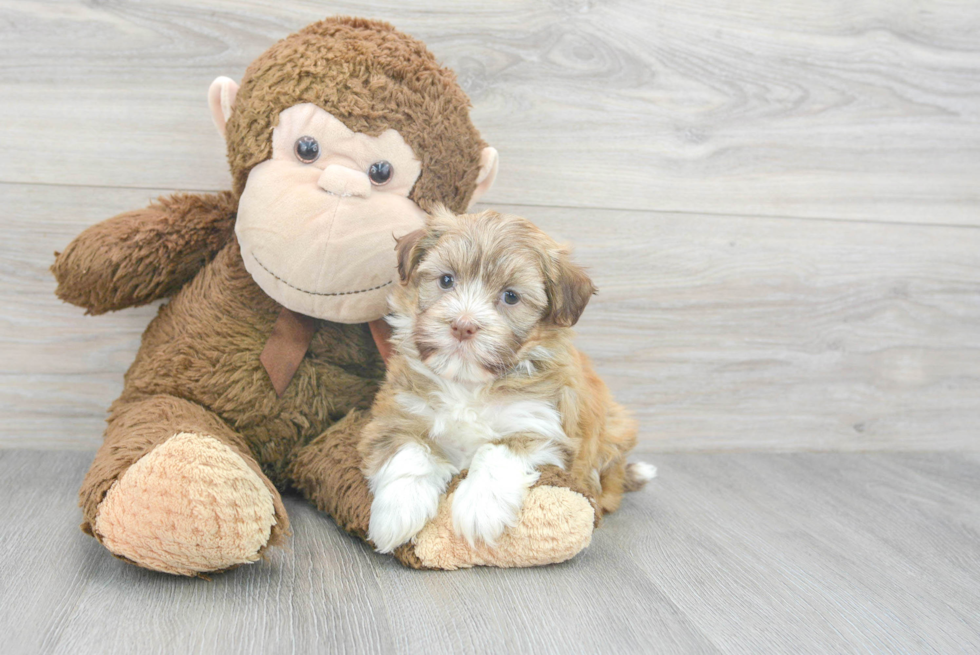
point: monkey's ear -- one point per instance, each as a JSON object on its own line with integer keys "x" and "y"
{"x": 489, "y": 163}
{"x": 221, "y": 98}
{"x": 408, "y": 255}
{"x": 569, "y": 290}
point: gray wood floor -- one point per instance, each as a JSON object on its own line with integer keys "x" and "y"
{"x": 727, "y": 553}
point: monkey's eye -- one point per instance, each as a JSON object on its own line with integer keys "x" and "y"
{"x": 510, "y": 297}
{"x": 307, "y": 149}
{"x": 447, "y": 281}
{"x": 380, "y": 173}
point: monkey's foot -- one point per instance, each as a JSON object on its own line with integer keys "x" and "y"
{"x": 191, "y": 505}
{"x": 554, "y": 525}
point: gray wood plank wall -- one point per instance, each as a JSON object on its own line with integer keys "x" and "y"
{"x": 780, "y": 202}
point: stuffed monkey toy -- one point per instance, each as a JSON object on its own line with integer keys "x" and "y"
{"x": 258, "y": 374}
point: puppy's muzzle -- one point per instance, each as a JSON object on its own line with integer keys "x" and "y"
{"x": 463, "y": 329}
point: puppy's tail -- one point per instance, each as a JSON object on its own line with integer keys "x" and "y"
{"x": 638, "y": 474}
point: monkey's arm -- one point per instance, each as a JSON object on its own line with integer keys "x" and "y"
{"x": 143, "y": 255}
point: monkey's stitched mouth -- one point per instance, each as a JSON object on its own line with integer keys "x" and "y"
{"x": 317, "y": 293}
{"x": 341, "y": 195}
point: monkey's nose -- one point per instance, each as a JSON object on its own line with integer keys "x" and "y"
{"x": 464, "y": 329}
{"x": 344, "y": 182}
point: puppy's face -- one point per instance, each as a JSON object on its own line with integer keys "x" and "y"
{"x": 477, "y": 288}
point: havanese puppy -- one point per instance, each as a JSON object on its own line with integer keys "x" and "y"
{"x": 484, "y": 377}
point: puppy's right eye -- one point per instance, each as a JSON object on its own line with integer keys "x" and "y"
{"x": 447, "y": 281}
{"x": 307, "y": 149}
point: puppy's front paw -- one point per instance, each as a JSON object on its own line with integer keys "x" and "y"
{"x": 406, "y": 496}
{"x": 489, "y": 500}
{"x": 397, "y": 514}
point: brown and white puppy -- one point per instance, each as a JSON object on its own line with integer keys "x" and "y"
{"x": 484, "y": 377}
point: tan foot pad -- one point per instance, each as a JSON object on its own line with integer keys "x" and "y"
{"x": 555, "y": 525}
{"x": 191, "y": 505}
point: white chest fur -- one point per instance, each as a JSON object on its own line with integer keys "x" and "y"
{"x": 462, "y": 419}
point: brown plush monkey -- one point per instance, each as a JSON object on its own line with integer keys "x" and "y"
{"x": 257, "y": 373}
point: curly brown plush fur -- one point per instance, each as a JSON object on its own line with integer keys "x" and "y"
{"x": 146, "y": 254}
{"x": 384, "y": 80}
{"x": 199, "y": 423}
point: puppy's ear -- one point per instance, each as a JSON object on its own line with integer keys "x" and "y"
{"x": 569, "y": 290}
{"x": 409, "y": 255}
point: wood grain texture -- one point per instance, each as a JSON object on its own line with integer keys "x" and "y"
{"x": 727, "y": 333}
{"x": 719, "y": 332}
{"x": 749, "y": 553}
{"x": 864, "y": 110}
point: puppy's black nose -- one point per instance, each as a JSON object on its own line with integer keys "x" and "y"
{"x": 463, "y": 329}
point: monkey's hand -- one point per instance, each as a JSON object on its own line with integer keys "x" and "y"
{"x": 143, "y": 255}
{"x": 554, "y": 524}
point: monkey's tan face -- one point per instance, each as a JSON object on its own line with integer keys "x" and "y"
{"x": 317, "y": 222}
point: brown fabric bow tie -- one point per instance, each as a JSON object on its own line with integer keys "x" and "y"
{"x": 290, "y": 339}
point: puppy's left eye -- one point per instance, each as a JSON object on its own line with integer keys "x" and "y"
{"x": 510, "y": 297}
